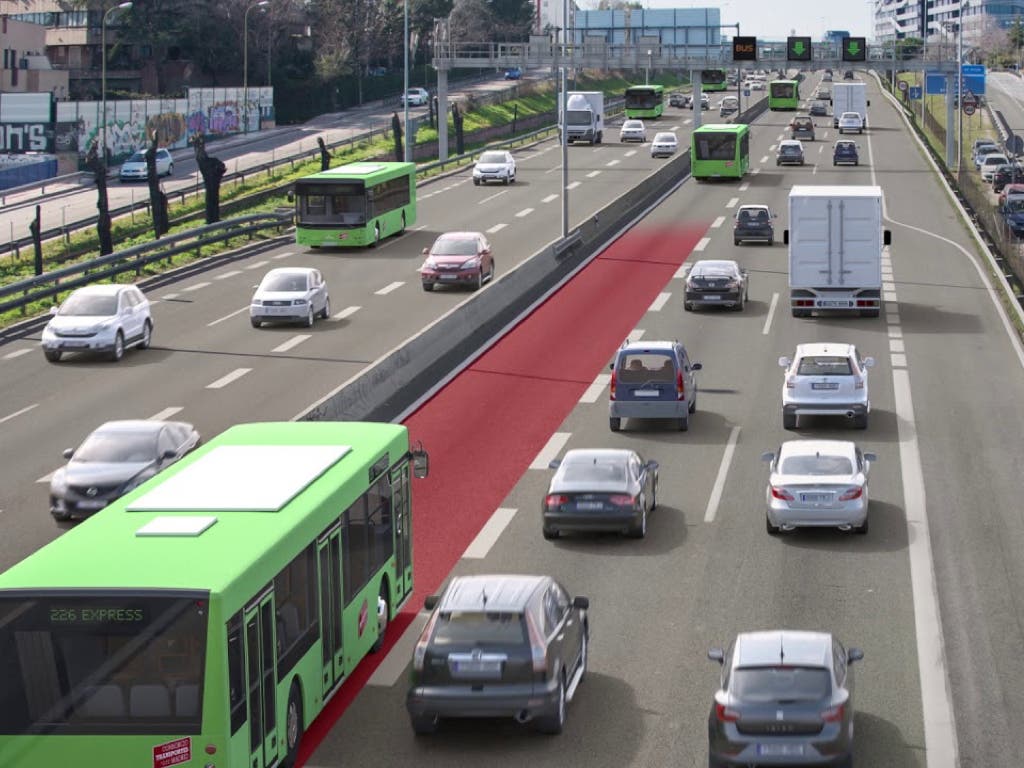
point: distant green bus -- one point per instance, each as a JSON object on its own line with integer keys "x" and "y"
{"x": 713, "y": 80}
{"x": 205, "y": 618}
{"x": 720, "y": 151}
{"x": 645, "y": 101}
{"x": 355, "y": 205}
{"x": 783, "y": 94}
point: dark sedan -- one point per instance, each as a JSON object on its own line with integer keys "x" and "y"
{"x": 601, "y": 489}
{"x": 117, "y": 457}
{"x": 819, "y": 109}
{"x": 716, "y": 282}
{"x": 1013, "y": 215}
{"x": 499, "y": 646}
{"x": 845, "y": 153}
{"x": 1007, "y": 174}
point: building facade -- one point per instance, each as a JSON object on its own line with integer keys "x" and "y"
{"x": 941, "y": 19}
{"x": 26, "y": 67}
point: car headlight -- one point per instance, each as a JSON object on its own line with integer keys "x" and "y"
{"x": 471, "y": 263}
{"x": 430, "y": 264}
{"x": 257, "y": 302}
{"x": 690, "y": 285}
{"x": 298, "y": 302}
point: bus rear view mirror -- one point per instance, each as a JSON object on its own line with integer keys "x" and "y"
{"x": 420, "y": 463}
{"x": 291, "y": 196}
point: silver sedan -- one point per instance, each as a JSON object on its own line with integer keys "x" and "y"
{"x": 291, "y": 294}
{"x": 817, "y": 483}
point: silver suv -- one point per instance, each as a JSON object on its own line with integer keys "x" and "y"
{"x": 825, "y": 379}
{"x": 99, "y": 318}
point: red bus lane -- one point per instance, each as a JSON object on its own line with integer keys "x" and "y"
{"x": 488, "y": 424}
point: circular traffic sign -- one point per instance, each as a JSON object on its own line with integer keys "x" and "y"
{"x": 969, "y": 109}
{"x": 903, "y": 85}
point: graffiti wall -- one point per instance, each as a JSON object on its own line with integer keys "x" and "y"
{"x": 129, "y": 124}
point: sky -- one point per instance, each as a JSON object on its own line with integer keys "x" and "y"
{"x": 777, "y": 19}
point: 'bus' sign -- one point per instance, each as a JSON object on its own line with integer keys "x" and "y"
{"x": 172, "y": 753}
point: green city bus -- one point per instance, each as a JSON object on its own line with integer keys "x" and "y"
{"x": 645, "y": 101}
{"x": 355, "y": 204}
{"x": 720, "y": 151}
{"x": 205, "y": 618}
{"x": 783, "y": 94}
{"x": 713, "y": 80}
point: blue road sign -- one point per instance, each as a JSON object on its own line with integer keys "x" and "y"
{"x": 915, "y": 92}
{"x": 974, "y": 78}
{"x": 934, "y": 84}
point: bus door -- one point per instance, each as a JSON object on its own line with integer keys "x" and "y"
{"x": 328, "y": 548}
{"x": 403, "y": 529}
{"x": 261, "y": 680}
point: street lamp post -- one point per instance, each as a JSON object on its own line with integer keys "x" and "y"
{"x": 405, "y": 96}
{"x": 647, "y": 72}
{"x": 960, "y": 85}
{"x": 245, "y": 62}
{"x": 103, "y": 72}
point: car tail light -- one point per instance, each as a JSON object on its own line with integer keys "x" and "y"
{"x": 538, "y": 649}
{"x": 791, "y": 382}
{"x": 781, "y": 493}
{"x": 680, "y": 387}
{"x": 858, "y": 382}
{"x": 420, "y": 652}
{"x": 851, "y": 493}
{"x": 623, "y": 500}
{"x": 726, "y": 715}
{"x": 611, "y": 386}
{"x": 833, "y": 714}
{"x": 555, "y": 500}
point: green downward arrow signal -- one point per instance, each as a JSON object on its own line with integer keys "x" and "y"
{"x": 853, "y": 48}
{"x": 798, "y": 48}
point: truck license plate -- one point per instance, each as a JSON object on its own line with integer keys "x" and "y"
{"x": 834, "y": 303}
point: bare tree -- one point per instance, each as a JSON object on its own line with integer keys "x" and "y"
{"x": 470, "y": 21}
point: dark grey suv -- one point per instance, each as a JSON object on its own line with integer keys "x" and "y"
{"x": 499, "y": 646}
{"x": 786, "y": 698}
{"x": 652, "y": 380}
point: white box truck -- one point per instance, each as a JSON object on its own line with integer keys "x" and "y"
{"x": 585, "y": 116}
{"x": 835, "y": 240}
{"x": 850, "y": 97}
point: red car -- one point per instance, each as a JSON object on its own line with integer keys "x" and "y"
{"x": 458, "y": 258}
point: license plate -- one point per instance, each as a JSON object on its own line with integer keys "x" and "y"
{"x": 477, "y": 667}
{"x": 448, "y": 277}
{"x": 74, "y": 344}
{"x": 91, "y": 504}
{"x": 711, "y": 297}
{"x": 589, "y": 505}
{"x": 280, "y": 310}
{"x": 824, "y": 385}
{"x": 780, "y": 750}
{"x": 827, "y": 303}
{"x": 815, "y": 496}
{"x": 646, "y": 393}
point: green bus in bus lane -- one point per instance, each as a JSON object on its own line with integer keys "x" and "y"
{"x": 644, "y": 101}
{"x": 783, "y": 94}
{"x": 713, "y": 80}
{"x": 208, "y": 616}
{"x": 355, "y": 205}
{"x": 720, "y": 151}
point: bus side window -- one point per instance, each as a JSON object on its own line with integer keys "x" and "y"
{"x": 236, "y": 672}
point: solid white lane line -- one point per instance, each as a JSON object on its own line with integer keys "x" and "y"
{"x": 257, "y": 265}
{"x": 892, "y": 319}
{"x": 496, "y": 228}
{"x": 294, "y": 341}
{"x": 595, "y": 390}
{"x": 732, "y": 202}
{"x": 481, "y": 545}
{"x": 659, "y": 303}
{"x": 744, "y": 186}
{"x": 549, "y": 198}
{"x": 491, "y": 197}
{"x": 611, "y": 163}
{"x": 551, "y": 450}
{"x": 718, "y": 222}
{"x": 723, "y": 471}
{"x": 887, "y": 286}
{"x": 592, "y": 174}
{"x": 635, "y": 335}
{"x": 389, "y": 288}
{"x": 346, "y": 312}
{"x": 227, "y": 317}
{"x": 223, "y": 381}
{"x": 939, "y": 726}
{"x": 17, "y": 353}
{"x": 771, "y": 314}
{"x": 896, "y": 345}
{"x": 701, "y": 244}
{"x": 166, "y": 413}
{"x": 392, "y": 669}
{"x": 226, "y": 275}
{"x": 195, "y": 287}
{"x": 18, "y": 413}
{"x": 764, "y": 159}
{"x": 524, "y": 212}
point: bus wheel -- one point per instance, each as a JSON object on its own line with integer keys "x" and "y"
{"x": 293, "y": 725}
{"x": 383, "y": 615}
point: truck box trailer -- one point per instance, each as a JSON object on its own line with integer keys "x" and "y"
{"x": 850, "y": 97}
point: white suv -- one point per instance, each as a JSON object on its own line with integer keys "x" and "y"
{"x": 825, "y": 379}
{"x": 417, "y": 97}
{"x": 99, "y": 318}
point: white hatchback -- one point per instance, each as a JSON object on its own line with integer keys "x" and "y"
{"x": 134, "y": 168}
{"x": 664, "y": 144}
{"x": 99, "y": 318}
{"x": 633, "y": 130}
{"x": 290, "y": 294}
{"x": 851, "y": 121}
{"x": 825, "y": 379}
{"x": 416, "y": 97}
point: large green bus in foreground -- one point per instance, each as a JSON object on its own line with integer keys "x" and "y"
{"x": 355, "y": 205}
{"x": 720, "y": 151}
{"x": 645, "y": 101}
{"x": 783, "y": 94}
{"x": 205, "y": 618}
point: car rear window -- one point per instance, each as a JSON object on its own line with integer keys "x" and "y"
{"x": 479, "y": 627}
{"x": 816, "y": 465}
{"x": 778, "y": 684}
{"x": 645, "y": 366}
{"x": 825, "y": 365}
{"x": 803, "y": 123}
{"x": 600, "y": 472}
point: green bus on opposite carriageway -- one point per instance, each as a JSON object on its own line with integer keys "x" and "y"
{"x": 783, "y": 94}
{"x": 720, "y": 151}
{"x": 645, "y": 101}
{"x": 355, "y": 204}
{"x": 207, "y": 617}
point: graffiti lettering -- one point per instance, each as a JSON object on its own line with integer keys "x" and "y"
{"x": 15, "y": 137}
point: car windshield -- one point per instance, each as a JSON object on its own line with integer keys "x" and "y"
{"x": 138, "y": 157}
{"x": 479, "y": 628}
{"x": 816, "y": 465}
{"x": 84, "y": 305}
{"x": 492, "y": 157}
{"x": 780, "y": 684}
{"x": 284, "y": 282}
{"x": 454, "y": 246}
{"x": 640, "y": 367}
{"x": 118, "y": 447}
{"x": 594, "y": 472}
{"x": 825, "y": 365}
{"x": 632, "y": 125}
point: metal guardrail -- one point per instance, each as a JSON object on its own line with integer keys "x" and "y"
{"x": 80, "y": 178}
{"x": 22, "y": 293}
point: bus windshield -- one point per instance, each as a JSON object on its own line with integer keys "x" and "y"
{"x": 783, "y": 90}
{"x": 103, "y": 664}
{"x": 716, "y": 146}
{"x": 642, "y": 98}
{"x": 341, "y": 202}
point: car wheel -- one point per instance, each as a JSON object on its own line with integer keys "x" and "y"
{"x": 255, "y": 323}
{"x": 479, "y": 279}
{"x": 788, "y": 420}
{"x": 60, "y": 517}
{"x": 614, "y": 423}
{"x": 688, "y": 306}
{"x": 554, "y": 723}
{"x": 383, "y": 627}
{"x": 834, "y": 163}
{"x": 147, "y": 335}
{"x": 428, "y": 287}
{"x": 683, "y": 424}
{"x": 118, "y": 351}
{"x": 505, "y": 181}
{"x": 549, "y": 533}
{"x": 862, "y": 529}
{"x": 640, "y": 531}
{"x": 476, "y": 182}
{"x": 424, "y": 725}
{"x": 326, "y": 312}
{"x": 773, "y": 530}
{"x": 293, "y": 726}
{"x": 692, "y": 407}
{"x": 490, "y": 272}
{"x": 861, "y": 421}
{"x": 856, "y": 162}
{"x": 170, "y": 169}
{"x": 654, "y": 495}
{"x": 310, "y": 318}
{"x": 52, "y": 355}
{"x": 736, "y": 241}
{"x": 738, "y": 306}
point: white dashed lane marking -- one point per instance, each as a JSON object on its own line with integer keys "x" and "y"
{"x": 223, "y": 381}
{"x": 594, "y": 391}
{"x": 346, "y": 312}
{"x": 551, "y": 450}
{"x": 166, "y": 413}
{"x": 659, "y": 303}
{"x": 293, "y": 342}
{"x": 389, "y": 288}
{"x": 18, "y": 413}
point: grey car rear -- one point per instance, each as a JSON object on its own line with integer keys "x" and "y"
{"x": 652, "y": 380}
